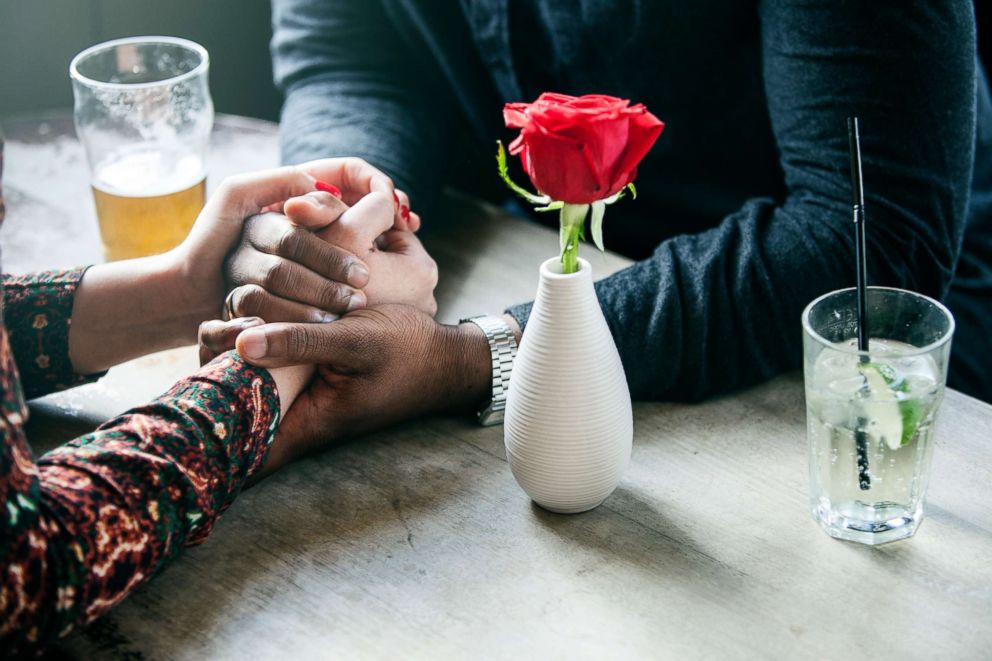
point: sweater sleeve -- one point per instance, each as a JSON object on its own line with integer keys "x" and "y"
{"x": 90, "y": 521}
{"x": 356, "y": 85}
{"x": 38, "y": 311}
{"x": 719, "y": 310}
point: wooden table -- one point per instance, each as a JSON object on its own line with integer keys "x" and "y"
{"x": 417, "y": 543}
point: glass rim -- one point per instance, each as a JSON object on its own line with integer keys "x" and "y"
{"x": 202, "y": 67}
{"x": 916, "y": 351}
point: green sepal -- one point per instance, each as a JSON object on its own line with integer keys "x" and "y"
{"x": 504, "y": 173}
{"x": 554, "y": 206}
{"x": 596, "y": 224}
{"x": 619, "y": 195}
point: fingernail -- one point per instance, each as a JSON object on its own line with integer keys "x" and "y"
{"x": 328, "y": 188}
{"x": 405, "y": 212}
{"x": 253, "y": 344}
{"x": 322, "y": 317}
{"x": 396, "y": 199}
{"x": 358, "y": 275}
{"x": 356, "y": 301}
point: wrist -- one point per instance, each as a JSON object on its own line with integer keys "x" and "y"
{"x": 290, "y": 382}
{"x": 198, "y": 289}
{"x": 467, "y": 365}
{"x": 470, "y": 364}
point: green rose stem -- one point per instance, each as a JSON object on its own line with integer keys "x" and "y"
{"x": 854, "y": 145}
{"x": 573, "y": 220}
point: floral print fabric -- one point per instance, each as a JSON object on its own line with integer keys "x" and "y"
{"x": 83, "y": 525}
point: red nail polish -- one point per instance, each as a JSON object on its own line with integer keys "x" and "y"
{"x": 405, "y": 212}
{"x": 328, "y": 188}
{"x": 396, "y": 200}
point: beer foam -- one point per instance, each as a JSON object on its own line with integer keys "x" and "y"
{"x": 148, "y": 172}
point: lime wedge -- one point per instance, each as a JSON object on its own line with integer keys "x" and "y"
{"x": 885, "y": 420}
{"x": 912, "y": 416}
{"x": 910, "y": 409}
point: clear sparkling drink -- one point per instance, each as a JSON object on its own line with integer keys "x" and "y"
{"x": 871, "y": 415}
{"x": 871, "y": 429}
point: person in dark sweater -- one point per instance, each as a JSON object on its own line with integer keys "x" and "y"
{"x": 744, "y": 208}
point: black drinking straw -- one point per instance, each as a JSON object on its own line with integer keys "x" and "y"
{"x": 858, "y": 195}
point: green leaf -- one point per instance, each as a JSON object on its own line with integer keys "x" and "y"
{"x": 596, "y": 224}
{"x": 504, "y": 173}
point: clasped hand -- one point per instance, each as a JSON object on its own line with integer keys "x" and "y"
{"x": 315, "y": 257}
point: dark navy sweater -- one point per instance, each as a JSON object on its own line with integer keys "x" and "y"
{"x": 743, "y": 215}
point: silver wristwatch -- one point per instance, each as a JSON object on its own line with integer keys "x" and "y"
{"x": 503, "y": 347}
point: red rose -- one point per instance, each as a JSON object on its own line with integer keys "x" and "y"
{"x": 581, "y": 149}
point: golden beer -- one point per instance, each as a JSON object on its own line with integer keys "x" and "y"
{"x": 147, "y": 200}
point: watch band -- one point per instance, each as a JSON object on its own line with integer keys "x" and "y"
{"x": 503, "y": 348}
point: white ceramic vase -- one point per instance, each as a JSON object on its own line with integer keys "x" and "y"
{"x": 568, "y": 426}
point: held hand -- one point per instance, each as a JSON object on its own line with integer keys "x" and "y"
{"x": 356, "y": 178}
{"x": 283, "y": 271}
{"x": 401, "y": 271}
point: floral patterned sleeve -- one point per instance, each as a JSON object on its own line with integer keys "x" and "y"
{"x": 38, "y": 308}
{"x": 85, "y": 524}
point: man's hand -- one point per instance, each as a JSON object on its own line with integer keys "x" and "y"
{"x": 376, "y": 367}
{"x": 294, "y": 267}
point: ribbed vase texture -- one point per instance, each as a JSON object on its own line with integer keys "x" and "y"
{"x": 568, "y": 427}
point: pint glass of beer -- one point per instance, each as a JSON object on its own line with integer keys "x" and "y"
{"x": 143, "y": 113}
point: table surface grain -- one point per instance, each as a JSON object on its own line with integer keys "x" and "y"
{"x": 417, "y": 543}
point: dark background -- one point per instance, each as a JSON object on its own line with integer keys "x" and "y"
{"x": 983, "y": 14}
{"x": 39, "y": 37}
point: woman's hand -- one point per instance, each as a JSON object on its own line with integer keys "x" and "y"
{"x": 125, "y": 309}
{"x": 294, "y": 259}
{"x": 199, "y": 259}
{"x": 356, "y": 178}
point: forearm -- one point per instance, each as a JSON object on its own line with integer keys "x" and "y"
{"x": 126, "y": 309}
{"x": 102, "y": 514}
{"x": 719, "y": 310}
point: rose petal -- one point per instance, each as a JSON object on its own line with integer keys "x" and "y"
{"x": 559, "y": 168}
{"x": 515, "y": 115}
{"x": 643, "y": 132}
